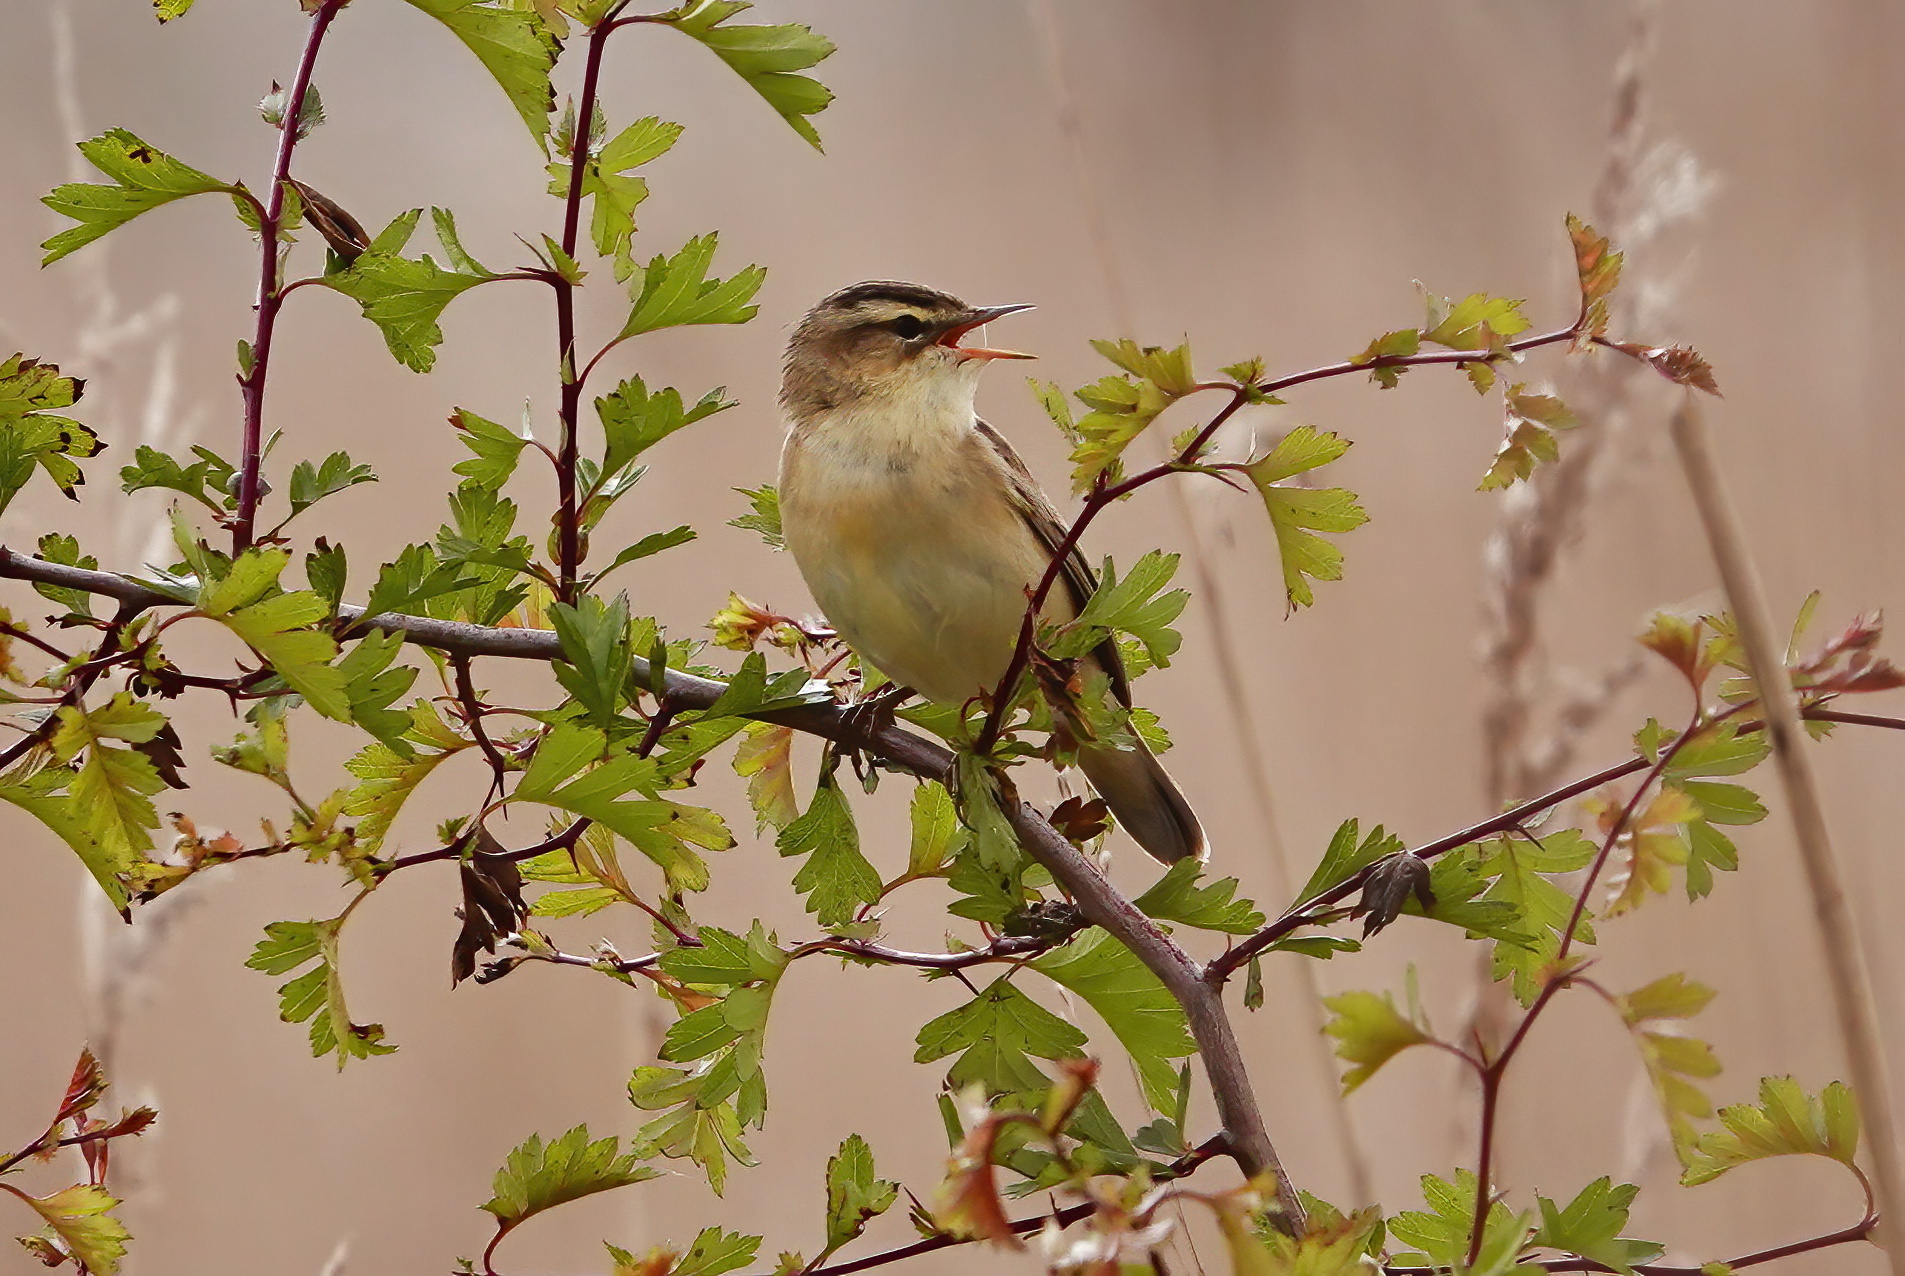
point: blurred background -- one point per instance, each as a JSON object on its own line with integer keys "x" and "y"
{"x": 1260, "y": 178}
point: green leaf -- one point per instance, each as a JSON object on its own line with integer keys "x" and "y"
{"x": 1120, "y": 410}
{"x": 993, "y": 1034}
{"x": 707, "y": 1135}
{"x": 1599, "y": 271}
{"x": 1529, "y": 437}
{"x": 79, "y": 1222}
{"x": 1669, "y": 997}
{"x": 288, "y": 945}
{"x": 1176, "y": 897}
{"x": 1725, "y": 803}
{"x": 836, "y": 879}
{"x": 386, "y": 778}
{"x": 1591, "y": 1226}
{"x": 1721, "y": 749}
{"x": 767, "y": 57}
{"x": 854, "y": 1195}
{"x": 766, "y": 518}
{"x": 411, "y": 579}
{"x": 609, "y": 181}
{"x": 1542, "y": 909}
{"x": 311, "y": 484}
{"x": 480, "y": 528}
{"x": 765, "y": 759}
{"x": 712, "y": 1253}
{"x": 112, "y": 788}
{"x": 276, "y": 628}
{"x": 633, "y": 420}
{"x": 1298, "y": 513}
{"x": 32, "y": 434}
{"x": 1786, "y": 1122}
{"x": 1052, "y": 399}
{"x": 561, "y": 775}
{"x": 1674, "y": 1062}
{"x": 497, "y": 449}
{"x": 1169, "y": 370}
{"x": 672, "y": 292}
{"x": 373, "y": 682}
{"x": 1345, "y": 857}
{"x": 209, "y": 480}
{"x": 536, "y": 1177}
{"x": 1133, "y": 606}
{"x": 513, "y": 44}
{"x": 749, "y": 691}
{"x": 1476, "y": 322}
{"x": 46, "y": 795}
{"x": 405, "y": 296}
{"x": 1369, "y": 1032}
{"x": 64, "y": 550}
{"x": 1442, "y": 1232}
{"x": 725, "y": 958}
{"x": 327, "y": 570}
{"x": 1146, "y": 1019}
{"x": 1656, "y": 840}
{"x": 1708, "y": 849}
{"x": 1391, "y": 345}
{"x": 143, "y": 178}
{"x": 595, "y": 654}
{"x": 170, "y": 9}
{"x": 936, "y": 833}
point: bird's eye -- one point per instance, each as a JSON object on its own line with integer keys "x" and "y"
{"x": 907, "y": 327}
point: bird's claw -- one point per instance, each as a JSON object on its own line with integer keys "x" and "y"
{"x": 871, "y": 714}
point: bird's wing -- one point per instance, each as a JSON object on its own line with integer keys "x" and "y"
{"x": 1048, "y": 526}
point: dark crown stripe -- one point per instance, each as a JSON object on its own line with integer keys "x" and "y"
{"x": 892, "y": 290}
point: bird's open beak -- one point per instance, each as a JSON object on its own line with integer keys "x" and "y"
{"x": 977, "y": 319}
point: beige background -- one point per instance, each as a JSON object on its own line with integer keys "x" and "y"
{"x": 1270, "y": 178}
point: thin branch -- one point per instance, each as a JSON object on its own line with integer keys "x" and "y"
{"x": 568, "y": 516}
{"x": 252, "y": 381}
{"x": 1431, "y": 358}
{"x": 1227, "y": 964}
{"x": 80, "y": 681}
{"x": 1850, "y": 980}
{"x": 1005, "y": 948}
{"x": 20, "y": 633}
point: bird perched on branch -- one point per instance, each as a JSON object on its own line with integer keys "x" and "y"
{"x": 918, "y": 529}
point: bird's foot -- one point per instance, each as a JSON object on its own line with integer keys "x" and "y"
{"x": 872, "y": 714}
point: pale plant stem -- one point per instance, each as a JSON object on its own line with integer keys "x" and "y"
{"x": 1210, "y": 599}
{"x": 1848, "y": 977}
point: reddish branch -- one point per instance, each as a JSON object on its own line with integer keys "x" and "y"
{"x": 252, "y": 381}
{"x": 1104, "y": 492}
{"x": 568, "y": 517}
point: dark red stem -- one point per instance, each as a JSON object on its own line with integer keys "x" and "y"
{"x": 252, "y": 383}
{"x": 568, "y": 517}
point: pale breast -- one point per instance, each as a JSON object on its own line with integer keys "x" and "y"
{"x": 915, "y": 553}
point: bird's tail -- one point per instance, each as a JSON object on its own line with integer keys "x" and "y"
{"x": 1147, "y": 802}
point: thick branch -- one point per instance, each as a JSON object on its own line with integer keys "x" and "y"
{"x": 1101, "y": 902}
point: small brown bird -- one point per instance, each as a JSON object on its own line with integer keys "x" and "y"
{"x": 919, "y": 530}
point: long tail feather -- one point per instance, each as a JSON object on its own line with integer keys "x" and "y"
{"x": 1147, "y": 802}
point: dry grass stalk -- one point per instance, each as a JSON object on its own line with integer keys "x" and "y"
{"x": 1847, "y": 975}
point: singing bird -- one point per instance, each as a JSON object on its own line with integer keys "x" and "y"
{"x": 919, "y": 530}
